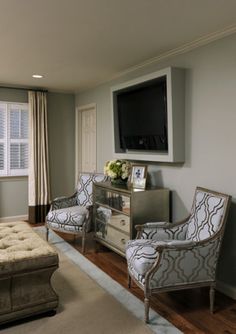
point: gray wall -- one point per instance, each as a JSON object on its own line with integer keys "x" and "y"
{"x": 210, "y": 135}
{"x": 61, "y": 128}
{"x": 14, "y": 189}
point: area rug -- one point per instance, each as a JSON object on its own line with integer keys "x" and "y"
{"x": 90, "y": 302}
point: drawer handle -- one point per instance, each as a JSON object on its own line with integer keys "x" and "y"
{"x": 122, "y": 222}
{"x": 123, "y": 241}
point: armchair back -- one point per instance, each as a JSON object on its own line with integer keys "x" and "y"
{"x": 207, "y": 215}
{"x": 85, "y": 187}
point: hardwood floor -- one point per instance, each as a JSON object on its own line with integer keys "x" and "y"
{"x": 188, "y": 310}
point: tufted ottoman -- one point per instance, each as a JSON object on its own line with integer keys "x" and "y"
{"x": 27, "y": 263}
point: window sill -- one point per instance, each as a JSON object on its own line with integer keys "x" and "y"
{"x": 13, "y": 178}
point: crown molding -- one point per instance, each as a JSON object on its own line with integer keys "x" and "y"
{"x": 207, "y": 39}
{"x": 187, "y": 47}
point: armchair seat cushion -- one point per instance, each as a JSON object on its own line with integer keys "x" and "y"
{"x": 69, "y": 219}
{"x": 141, "y": 255}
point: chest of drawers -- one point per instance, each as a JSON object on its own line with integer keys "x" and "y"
{"x": 117, "y": 209}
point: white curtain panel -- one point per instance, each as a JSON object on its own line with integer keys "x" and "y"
{"x": 39, "y": 189}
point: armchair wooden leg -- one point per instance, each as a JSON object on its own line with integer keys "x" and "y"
{"x": 212, "y": 298}
{"x": 129, "y": 281}
{"x": 97, "y": 247}
{"x": 47, "y": 233}
{"x": 83, "y": 243}
{"x": 83, "y": 238}
{"x": 146, "y": 305}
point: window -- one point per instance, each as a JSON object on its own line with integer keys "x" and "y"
{"x": 13, "y": 139}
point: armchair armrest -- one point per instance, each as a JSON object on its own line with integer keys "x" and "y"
{"x": 192, "y": 261}
{"x": 162, "y": 230}
{"x": 63, "y": 202}
{"x": 176, "y": 245}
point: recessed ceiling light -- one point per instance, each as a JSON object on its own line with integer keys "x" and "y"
{"x": 37, "y": 76}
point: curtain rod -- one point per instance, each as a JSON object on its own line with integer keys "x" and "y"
{"x": 25, "y": 88}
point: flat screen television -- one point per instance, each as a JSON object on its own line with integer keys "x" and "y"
{"x": 141, "y": 112}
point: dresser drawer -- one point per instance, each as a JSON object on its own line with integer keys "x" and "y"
{"x": 122, "y": 222}
{"x": 117, "y": 238}
{"x": 112, "y": 199}
{"x": 117, "y": 209}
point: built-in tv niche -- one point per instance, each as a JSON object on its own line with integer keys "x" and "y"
{"x": 148, "y": 117}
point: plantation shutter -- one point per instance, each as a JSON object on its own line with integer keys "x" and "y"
{"x": 18, "y": 140}
{"x": 3, "y": 139}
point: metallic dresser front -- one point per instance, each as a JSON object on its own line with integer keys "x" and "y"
{"x": 117, "y": 209}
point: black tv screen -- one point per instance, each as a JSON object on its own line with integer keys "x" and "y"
{"x": 142, "y": 116}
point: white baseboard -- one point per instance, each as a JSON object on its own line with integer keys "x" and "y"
{"x": 226, "y": 289}
{"x": 13, "y": 219}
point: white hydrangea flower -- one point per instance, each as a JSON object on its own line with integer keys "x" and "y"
{"x": 117, "y": 168}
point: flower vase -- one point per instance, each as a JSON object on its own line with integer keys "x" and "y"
{"x": 118, "y": 181}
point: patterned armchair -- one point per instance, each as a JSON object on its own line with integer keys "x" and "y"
{"x": 173, "y": 256}
{"x": 74, "y": 214}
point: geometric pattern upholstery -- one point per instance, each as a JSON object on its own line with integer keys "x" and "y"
{"x": 68, "y": 219}
{"x": 206, "y": 216}
{"x": 74, "y": 214}
{"x": 141, "y": 255}
{"x": 84, "y": 194}
{"x": 167, "y": 256}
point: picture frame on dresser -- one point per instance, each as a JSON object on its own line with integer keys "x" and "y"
{"x": 138, "y": 176}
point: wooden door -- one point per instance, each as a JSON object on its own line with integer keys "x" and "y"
{"x": 86, "y": 141}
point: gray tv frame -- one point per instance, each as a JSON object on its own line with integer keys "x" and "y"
{"x": 175, "y": 118}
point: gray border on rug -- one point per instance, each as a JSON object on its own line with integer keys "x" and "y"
{"x": 157, "y": 324}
